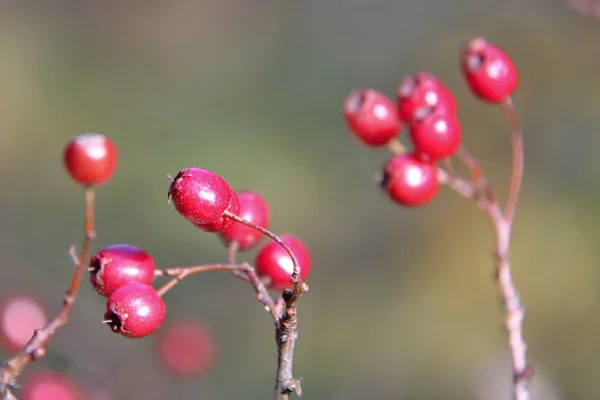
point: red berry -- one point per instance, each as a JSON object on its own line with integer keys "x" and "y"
{"x": 420, "y": 93}
{"x": 134, "y": 310}
{"x": 253, "y": 208}
{"x": 223, "y": 222}
{"x": 371, "y": 116}
{"x": 437, "y": 136}
{"x": 199, "y": 195}
{"x": 46, "y": 385}
{"x": 489, "y": 71}
{"x": 273, "y": 262}
{"x": 20, "y": 316}
{"x": 91, "y": 158}
{"x": 409, "y": 180}
{"x": 187, "y": 348}
{"x": 113, "y": 266}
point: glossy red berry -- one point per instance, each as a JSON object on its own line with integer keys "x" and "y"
{"x": 46, "y": 385}
{"x": 20, "y": 316}
{"x": 134, "y": 310}
{"x": 409, "y": 180}
{"x": 274, "y": 263}
{"x": 113, "y": 266}
{"x": 223, "y": 222}
{"x": 253, "y": 208}
{"x": 200, "y": 195}
{"x": 489, "y": 71}
{"x": 371, "y": 116}
{"x": 419, "y": 94}
{"x": 436, "y": 136}
{"x": 91, "y": 158}
{"x": 187, "y": 348}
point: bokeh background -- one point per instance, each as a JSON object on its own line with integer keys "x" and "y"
{"x": 402, "y": 302}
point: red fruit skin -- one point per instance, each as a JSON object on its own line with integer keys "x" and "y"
{"x": 187, "y": 349}
{"x": 489, "y": 71}
{"x": 253, "y": 208}
{"x": 135, "y": 310}
{"x": 437, "y": 136}
{"x": 91, "y": 158}
{"x": 223, "y": 222}
{"x": 371, "y": 116}
{"x": 410, "y": 181}
{"x": 47, "y": 385}
{"x": 421, "y": 92}
{"x": 20, "y": 316}
{"x": 200, "y": 195}
{"x": 274, "y": 262}
{"x": 113, "y": 266}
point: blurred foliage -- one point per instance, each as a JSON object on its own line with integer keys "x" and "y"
{"x": 402, "y": 303}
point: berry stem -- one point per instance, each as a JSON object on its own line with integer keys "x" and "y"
{"x": 36, "y": 347}
{"x": 396, "y": 147}
{"x": 476, "y": 172}
{"x": 516, "y": 178}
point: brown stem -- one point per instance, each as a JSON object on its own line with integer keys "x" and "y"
{"x": 36, "y": 347}
{"x": 396, "y": 147}
{"x": 476, "y": 172}
{"x": 518, "y": 157}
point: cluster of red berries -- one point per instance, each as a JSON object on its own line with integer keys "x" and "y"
{"x": 124, "y": 273}
{"x": 428, "y": 108}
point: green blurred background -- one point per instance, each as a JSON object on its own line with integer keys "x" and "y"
{"x": 402, "y": 302}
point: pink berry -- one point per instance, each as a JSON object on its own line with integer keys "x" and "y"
{"x": 274, "y": 263}
{"x": 20, "y": 316}
{"x": 223, "y": 222}
{"x": 46, "y": 385}
{"x": 489, "y": 71}
{"x": 113, "y": 266}
{"x": 199, "y": 195}
{"x": 371, "y": 116}
{"x": 187, "y": 349}
{"x": 253, "y": 208}
{"x": 134, "y": 310}
{"x": 418, "y": 94}
{"x": 436, "y": 136}
{"x": 409, "y": 180}
{"x": 91, "y": 158}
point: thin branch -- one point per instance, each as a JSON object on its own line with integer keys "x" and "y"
{"x": 516, "y": 177}
{"x": 476, "y": 172}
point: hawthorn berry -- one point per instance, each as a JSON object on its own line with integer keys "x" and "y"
{"x": 200, "y": 195}
{"x": 409, "y": 180}
{"x": 371, "y": 116}
{"x": 253, "y": 208}
{"x": 46, "y": 385}
{"x": 118, "y": 264}
{"x": 419, "y": 94}
{"x": 91, "y": 158}
{"x": 134, "y": 310}
{"x": 436, "y": 136}
{"x": 274, "y": 263}
{"x": 223, "y": 222}
{"x": 489, "y": 71}
{"x": 20, "y": 316}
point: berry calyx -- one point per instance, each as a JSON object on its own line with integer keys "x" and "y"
{"x": 113, "y": 266}
{"x": 489, "y": 71}
{"x": 371, "y": 116}
{"x": 409, "y": 180}
{"x": 47, "y": 385}
{"x": 134, "y": 310}
{"x": 199, "y": 195}
{"x": 20, "y": 316}
{"x": 437, "y": 136}
{"x": 419, "y": 94}
{"x": 274, "y": 263}
{"x": 253, "y": 208}
{"x": 223, "y": 221}
{"x": 90, "y": 158}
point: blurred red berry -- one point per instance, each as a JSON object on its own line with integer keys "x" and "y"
{"x": 134, "y": 310}
{"x": 91, "y": 158}
{"x": 21, "y": 315}
{"x": 273, "y": 262}
{"x": 223, "y": 222}
{"x": 422, "y": 94}
{"x": 253, "y": 208}
{"x": 187, "y": 348}
{"x": 436, "y": 136}
{"x": 410, "y": 181}
{"x": 118, "y": 264}
{"x": 47, "y": 385}
{"x": 371, "y": 116}
{"x": 489, "y": 71}
{"x": 199, "y": 195}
